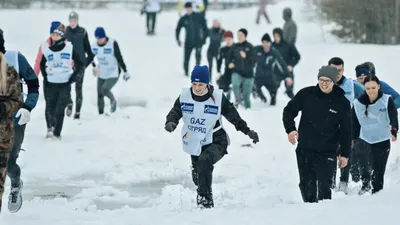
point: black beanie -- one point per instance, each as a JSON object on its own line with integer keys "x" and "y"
{"x": 244, "y": 31}
{"x": 266, "y": 37}
{"x": 188, "y": 5}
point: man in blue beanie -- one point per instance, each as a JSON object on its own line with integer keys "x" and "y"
{"x": 108, "y": 70}
{"x": 203, "y": 137}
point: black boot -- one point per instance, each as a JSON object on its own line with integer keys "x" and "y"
{"x": 273, "y": 99}
{"x": 205, "y": 201}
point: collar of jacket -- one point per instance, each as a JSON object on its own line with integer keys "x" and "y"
{"x": 335, "y": 91}
{"x": 341, "y": 80}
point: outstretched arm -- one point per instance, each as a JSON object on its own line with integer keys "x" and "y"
{"x": 175, "y": 114}
{"x": 232, "y": 115}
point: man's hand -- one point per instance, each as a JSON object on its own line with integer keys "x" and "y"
{"x": 243, "y": 54}
{"x": 293, "y": 136}
{"x": 343, "y": 162}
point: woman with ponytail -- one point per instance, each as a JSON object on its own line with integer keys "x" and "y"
{"x": 10, "y": 103}
{"x": 375, "y": 122}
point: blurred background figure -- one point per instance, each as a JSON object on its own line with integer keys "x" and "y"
{"x": 151, "y": 8}
{"x": 262, "y": 11}
{"x": 215, "y": 34}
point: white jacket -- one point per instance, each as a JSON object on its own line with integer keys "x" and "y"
{"x": 152, "y": 6}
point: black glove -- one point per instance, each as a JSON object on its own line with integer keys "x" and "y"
{"x": 253, "y": 136}
{"x": 170, "y": 126}
{"x": 394, "y": 132}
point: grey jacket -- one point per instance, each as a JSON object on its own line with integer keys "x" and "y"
{"x": 290, "y": 27}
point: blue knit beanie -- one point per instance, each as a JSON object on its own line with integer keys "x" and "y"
{"x": 100, "y": 32}
{"x": 201, "y": 74}
{"x": 54, "y": 25}
{"x": 362, "y": 70}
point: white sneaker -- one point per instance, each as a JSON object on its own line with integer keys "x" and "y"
{"x": 343, "y": 187}
{"x": 50, "y": 133}
{"x": 15, "y": 199}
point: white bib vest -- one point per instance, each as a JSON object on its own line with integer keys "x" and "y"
{"x": 108, "y": 64}
{"x": 59, "y": 64}
{"x": 348, "y": 88}
{"x": 199, "y": 119}
{"x": 375, "y": 127}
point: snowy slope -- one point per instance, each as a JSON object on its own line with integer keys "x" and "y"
{"x": 126, "y": 170}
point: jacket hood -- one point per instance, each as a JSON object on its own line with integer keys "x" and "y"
{"x": 287, "y": 14}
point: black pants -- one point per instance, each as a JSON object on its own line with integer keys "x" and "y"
{"x": 151, "y": 21}
{"x": 225, "y": 80}
{"x": 203, "y": 166}
{"x": 47, "y": 109}
{"x": 270, "y": 82}
{"x": 13, "y": 170}
{"x": 78, "y": 92}
{"x": 187, "y": 53}
{"x": 289, "y": 89}
{"x": 59, "y": 96}
{"x": 315, "y": 172}
{"x": 104, "y": 87}
{"x": 373, "y": 165}
{"x": 212, "y": 55}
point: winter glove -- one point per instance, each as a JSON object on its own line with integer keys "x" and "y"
{"x": 170, "y": 126}
{"x": 24, "y": 116}
{"x": 126, "y": 76}
{"x": 96, "y": 71}
{"x": 253, "y": 136}
{"x": 179, "y": 43}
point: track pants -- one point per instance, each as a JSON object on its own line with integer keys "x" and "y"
{"x": 13, "y": 170}
{"x": 242, "y": 87}
{"x": 187, "y": 53}
{"x": 78, "y": 92}
{"x": 212, "y": 55}
{"x": 203, "y": 166}
{"x": 151, "y": 21}
{"x": 47, "y": 109}
{"x": 270, "y": 82}
{"x": 104, "y": 87}
{"x": 58, "y": 98}
{"x": 315, "y": 172}
{"x": 373, "y": 165}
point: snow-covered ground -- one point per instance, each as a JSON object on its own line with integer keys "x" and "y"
{"x": 126, "y": 170}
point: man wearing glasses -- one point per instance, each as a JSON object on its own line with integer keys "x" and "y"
{"x": 324, "y": 124}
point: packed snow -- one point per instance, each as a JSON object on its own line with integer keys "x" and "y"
{"x": 126, "y": 170}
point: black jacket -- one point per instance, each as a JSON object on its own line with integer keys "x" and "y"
{"x": 117, "y": 54}
{"x": 80, "y": 40}
{"x": 270, "y": 63}
{"x": 227, "y": 110}
{"x": 78, "y": 63}
{"x": 288, "y": 52}
{"x": 392, "y": 111}
{"x": 325, "y": 120}
{"x": 243, "y": 66}
{"x": 224, "y": 52}
{"x": 216, "y": 37}
{"x": 196, "y": 30}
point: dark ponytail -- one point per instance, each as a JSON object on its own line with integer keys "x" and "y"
{"x": 368, "y": 79}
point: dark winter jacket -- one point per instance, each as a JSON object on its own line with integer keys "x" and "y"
{"x": 80, "y": 40}
{"x": 325, "y": 120}
{"x": 227, "y": 110}
{"x": 216, "y": 38}
{"x": 392, "y": 111}
{"x": 288, "y": 51}
{"x": 223, "y": 55}
{"x": 117, "y": 54}
{"x": 78, "y": 63}
{"x": 270, "y": 63}
{"x": 196, "y": 30}
{"x": 290, "y": 27}
{"x": 243, "y": 66}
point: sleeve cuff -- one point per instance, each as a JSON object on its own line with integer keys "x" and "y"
{"x": 25, "y": 106}
{"x": 291, "y": 129}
